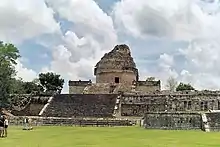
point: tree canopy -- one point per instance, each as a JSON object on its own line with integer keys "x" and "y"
{"x": 8, "y": 53}
{"x": 150, "y": 79}
{"x": 21, "y": 87}
{"x": 183, "y": 87}
{"x": 8, "y": 56}
{"x": 51, "y": 82}
{"x": 9, "y": 84}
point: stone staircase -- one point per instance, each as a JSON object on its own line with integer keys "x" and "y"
{"x": 205, "y": 123}
{"x": 30, "y": 107}
{"x": 117, "y": 108}
{"x": 45, "y": 106}
{"x": 81, "y": 105}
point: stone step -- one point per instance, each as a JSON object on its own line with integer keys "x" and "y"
{"x": 205, "y": 123}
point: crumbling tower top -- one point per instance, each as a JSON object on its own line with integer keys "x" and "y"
{"x": 117, "y": 63}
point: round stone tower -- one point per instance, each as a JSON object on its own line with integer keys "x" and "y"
{"x": 117, "y": 66}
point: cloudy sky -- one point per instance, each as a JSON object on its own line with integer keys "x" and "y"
{"x": 179, "y": 38}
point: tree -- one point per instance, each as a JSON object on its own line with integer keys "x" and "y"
{"x": 8, "y": 53}
{"x": 150, "y": 79}
{"x": 31, "y": 87}
{"x": 36, "y": 81}
{"x": 182, "y": 87}
{"x": 51, "y": 82}
{"x": 17, "y": 86}
{"x": 8, "y": 56}
{"x": 5, "y": 83}
{"x": 171, "y": 84}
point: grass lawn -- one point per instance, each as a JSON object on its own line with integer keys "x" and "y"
{"x": 107, "y": 137}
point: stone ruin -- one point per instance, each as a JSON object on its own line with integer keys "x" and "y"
{"x": 119, "y": 94}
{"x": 116, "y": 72}
{"x": 117, "y": 62}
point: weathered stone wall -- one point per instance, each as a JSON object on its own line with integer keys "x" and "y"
{"x": 98, "y": 88}
{"x": 137, "y": 105}
{"x": 148, "y": 86}
{"x": 173, "y": 121}
{"x": 77, "y": 87}
{"x": 33, "y": 107}
{"x": 116, "y": 63}
{"x": 213, "y": 121}
{"x": 125, "y": 77}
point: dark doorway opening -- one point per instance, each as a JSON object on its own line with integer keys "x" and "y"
{"x": 116, "y": 79}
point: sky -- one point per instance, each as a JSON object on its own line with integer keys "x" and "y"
{"x": 172, "y": 38}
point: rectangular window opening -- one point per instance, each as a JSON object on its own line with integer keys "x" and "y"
{"x": 116, "y": 79}
{"x": 189, "y": 105}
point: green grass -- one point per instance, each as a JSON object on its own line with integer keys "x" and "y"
{"x": 107, "y": 137}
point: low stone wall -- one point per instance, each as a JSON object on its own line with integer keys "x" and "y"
{"x": 213, "y": 119}
{"x": 173, "y": 121}
{"x": 53, "y": 121}
{"x": 182, "y": 121}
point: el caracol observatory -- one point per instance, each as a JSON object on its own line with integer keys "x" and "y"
{"x": 115, "y": 72}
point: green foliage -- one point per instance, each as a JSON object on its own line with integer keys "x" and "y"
{"x": 150, "y": 79}
{"x": 21, "y": 87}
{"x": 182, "y": 87}
{"x": 9, "y": 85}
{"x": 8, "y": 53}
{"x": 51, "y": 82}
{"x": 31, "y": 87}
{"x": 8, "y": 56}
{"x": 17, "y": 86}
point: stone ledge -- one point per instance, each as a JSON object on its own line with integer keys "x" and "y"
{"x": 54, "y": 121}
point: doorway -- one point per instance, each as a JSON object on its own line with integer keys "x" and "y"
{"x": 117, "y": 80}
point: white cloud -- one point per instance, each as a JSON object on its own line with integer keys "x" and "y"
{"x": 24, "y": 73}
{"x": 83, "y": 46}
{"x": 87, "y": 17}
{"x": 26, "y": 19}
{"x": 75, "y": 58}
{"x": 93, "y": 33}
{"x": 203, "y": 55}
{"x": 166, "y": 66}
{"x": 202, "y": 58}
{"x": 185, "y": 20}
{"x": 166, "y": 60}
{"x": 175, "y": 19}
